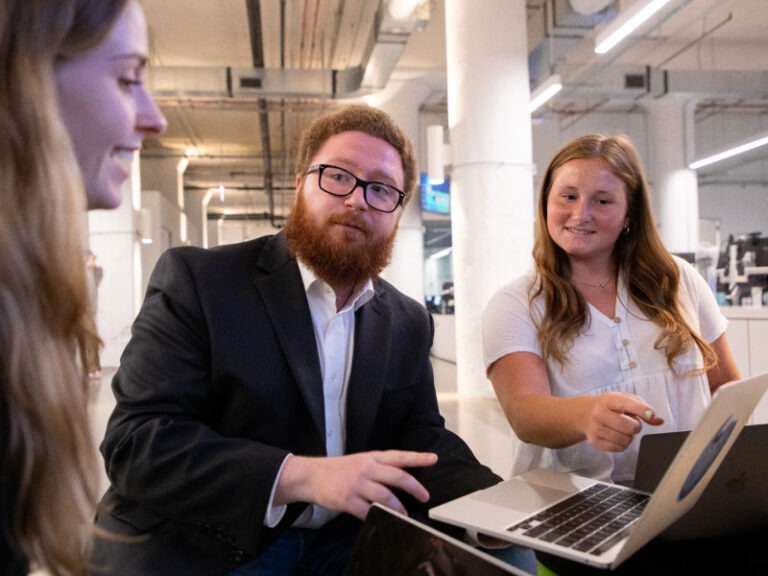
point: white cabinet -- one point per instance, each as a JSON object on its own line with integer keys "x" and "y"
{"x": 748, "y": 337}
{"x": 738, "y": 339}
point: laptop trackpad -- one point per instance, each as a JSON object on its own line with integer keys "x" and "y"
{"x": 522, "y": 496}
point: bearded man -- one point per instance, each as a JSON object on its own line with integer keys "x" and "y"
{"x": 274, "y": 389}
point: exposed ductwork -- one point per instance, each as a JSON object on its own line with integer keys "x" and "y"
{"x": 381, "y": 56}
{"x": 634, "y": 82}
{"x": 557, "y": 27}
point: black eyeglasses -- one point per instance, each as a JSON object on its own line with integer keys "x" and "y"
{"x": 340, "y": 182}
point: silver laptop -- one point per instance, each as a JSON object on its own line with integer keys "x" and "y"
{"x": 527, "y": 509}
{"x": 735, "y": 500}
{"x": 391, "y": 544}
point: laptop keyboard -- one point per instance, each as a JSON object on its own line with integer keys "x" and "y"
{"x": 590, "y": 521}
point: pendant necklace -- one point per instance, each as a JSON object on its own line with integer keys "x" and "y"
{"x": 603, "y": 285}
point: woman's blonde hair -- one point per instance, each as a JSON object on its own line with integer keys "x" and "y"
{"x": 47, "y": 330}
{"x": 645, "y": 265}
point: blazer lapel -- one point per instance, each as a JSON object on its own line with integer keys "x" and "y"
{"x": 283, "y": 293}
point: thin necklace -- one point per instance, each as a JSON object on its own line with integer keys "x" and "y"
{"x": 603, "y": 285}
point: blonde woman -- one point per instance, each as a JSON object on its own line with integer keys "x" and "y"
{"x": 609, "y": 335}
{"x": 71, "y": 108}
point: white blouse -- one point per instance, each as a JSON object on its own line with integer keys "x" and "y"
{"x": 611, "y": 354}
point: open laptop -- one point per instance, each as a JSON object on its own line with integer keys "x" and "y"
{"x": 736, "y": 498}
{"x": 518, "y": 510}
{"x": 391, "y": 544}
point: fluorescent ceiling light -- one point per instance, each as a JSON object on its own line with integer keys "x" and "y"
{"x": 441, "y": 253}
{"x": 626, "y": 23}
{"x": 751, "y": 144}
{"x": 544, "y": 92}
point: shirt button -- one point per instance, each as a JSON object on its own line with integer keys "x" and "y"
{"x": 617, "y": 320}
{"x": 625, "y": 341}
{"x": 633, "y": 364}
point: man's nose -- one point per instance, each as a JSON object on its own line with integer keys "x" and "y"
{"x": 356, "y": 198}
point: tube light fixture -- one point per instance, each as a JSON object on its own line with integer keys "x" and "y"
{"x": 626, "y": 23}
{"x": 441, "y": 253}
{"x": 544, "y": 92}
{"x": 745, "y": 146}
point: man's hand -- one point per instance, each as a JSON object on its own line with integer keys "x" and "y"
{"x": 352, "y": 483}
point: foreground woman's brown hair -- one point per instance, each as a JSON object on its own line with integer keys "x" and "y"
{"x": 48, "y": 472}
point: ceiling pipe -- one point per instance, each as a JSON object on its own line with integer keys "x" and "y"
{"x": 257, "y": 50}
{"x": 283, "y": 131}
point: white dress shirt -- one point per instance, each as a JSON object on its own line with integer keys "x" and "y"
{"x": 334, "y": 334}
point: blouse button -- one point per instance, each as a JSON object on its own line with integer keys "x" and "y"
{"x": 617, "y": 320}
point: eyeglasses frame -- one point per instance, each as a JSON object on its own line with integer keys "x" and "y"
{"x": 358, "y": 182}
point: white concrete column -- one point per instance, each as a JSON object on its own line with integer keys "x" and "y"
{"x": 406, "y": 271}
{"x": 674, "y": 186}
{"x": 491, "y": 175}
{"x": 401, "y": 100}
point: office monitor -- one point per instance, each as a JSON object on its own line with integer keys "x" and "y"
{"x": 435, "y": 198}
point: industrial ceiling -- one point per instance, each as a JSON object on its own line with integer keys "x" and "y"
{"x": 239, "y": 79}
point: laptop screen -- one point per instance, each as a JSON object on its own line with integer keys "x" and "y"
{"x": 393, "y": 545}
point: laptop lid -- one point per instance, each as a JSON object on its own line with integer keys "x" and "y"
{"x": 736, "y": 498}
{"x": 494, "y": 510}
{"x": 391, "y": 544}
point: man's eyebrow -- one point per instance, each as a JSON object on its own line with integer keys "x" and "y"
{"x": 382, "y": 176}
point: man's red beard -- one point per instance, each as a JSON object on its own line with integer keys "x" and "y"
{"x": 334, "y": 259}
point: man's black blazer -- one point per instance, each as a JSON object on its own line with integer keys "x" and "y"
{"x": 221, "y": 380}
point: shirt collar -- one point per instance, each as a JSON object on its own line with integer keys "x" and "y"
{"x": 362, "y": 294}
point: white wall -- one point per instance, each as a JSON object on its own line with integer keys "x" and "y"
{"x": 740, "y": 209}
{"x": 232, "y": 231}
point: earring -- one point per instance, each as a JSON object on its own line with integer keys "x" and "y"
{"x": 626, "y": 230}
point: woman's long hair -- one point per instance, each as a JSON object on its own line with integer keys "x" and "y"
{"x": 645, "y": 265}
{"x": 48, "y": 466}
